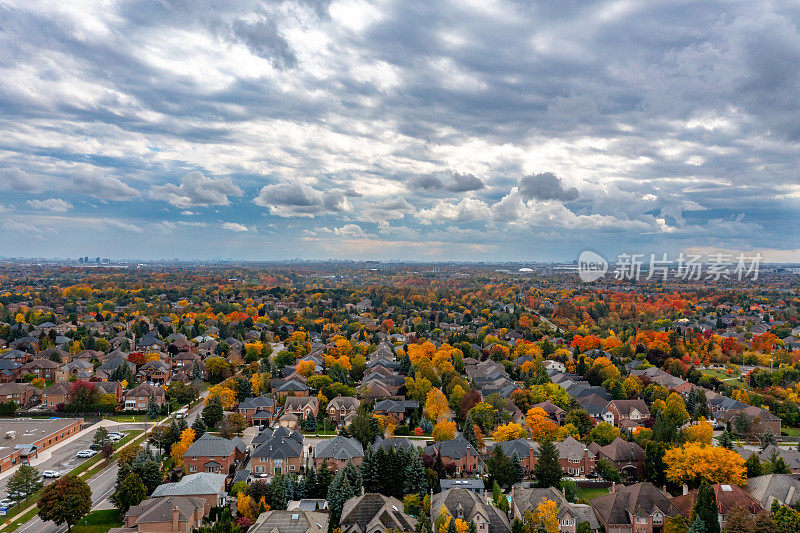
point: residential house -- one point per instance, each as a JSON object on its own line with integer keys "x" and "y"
{"x": 525, "y": 499}
{"x": 627, "y": 457}
{"x": 727, "y": 497}
{"x": 209, "y": 487}
{"x": 759, "y": 420}
{"x": 278, "y": 455}
{"x": 22, "y": 393}
{"x": 302, "y": 406}
{"x": 375, "y": 513}
{"x": 458, "y": 452}
{"x": 527, "y": 451}
{"x": 41, "y": 368}
{"x": 575, "y": 457}
{"x": 291, "y": 388}
{"x": 10, "y": 370}
{"x": 391, "y": 408}
{"x": 639, "y": 508}
{"x": 138, "y": 398}
{"x": 626, "y": 413}
{"x": 783, "y": 488}
{"x": 475, "y": 485}
{"x": 260, "y": 410}
{"x": 469, "y": 507}
{"x": 554, "y": 412}
{"x": 77, "y": 368}
{"x": 337, "y": 452}
{"x": 173, "y": 514}
{"x": 342, "y": 408}
{"x": 55, "y": 394}
{"x": 154, "y": 372}
{"x": 214, "y": 454}
{"x": 294, "y": 521}
{"x": 109, "y": 387}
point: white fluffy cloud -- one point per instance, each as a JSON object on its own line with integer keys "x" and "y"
{"x": 51, "y": 204}
{"x": 196, "y": 189}
{"x": 233, "y": 226}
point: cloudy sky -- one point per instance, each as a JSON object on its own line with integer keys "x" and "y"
{"x": 430, "y": 130}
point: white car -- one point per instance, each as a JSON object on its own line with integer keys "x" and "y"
{"x": 84, "y": 454}
{"x": 7, "y": 502}
{"x": 116, "y": 436}
{"x": 51, "y": 473}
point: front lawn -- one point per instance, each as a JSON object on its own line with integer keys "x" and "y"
{"x": 588, "y": 494}
{"x": 98, "y": 522}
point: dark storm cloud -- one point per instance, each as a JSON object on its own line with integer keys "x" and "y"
{"x": 546, "y": 186}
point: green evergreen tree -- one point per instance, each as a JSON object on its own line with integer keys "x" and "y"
{"x": 698, "y": 526}
{"x": 199, "y": 427}
{"x": 705, "y": 508}
{"x": 338, "y": 493}
{"x": 753, "y": 466}
{"x": 415, "y": 480}
{"x": 25, "y": 481}
{"x": 519, "y": 472}
{"x": 369, "y": 471}
{"x": 353, "y": 474}
{"x": 725, "y": 439}
{"x": 310, "y": 423}
{"x": 148, "y": 469}
{"x": 469, "y": 431}
{"x": 212, "y": 412}
{"x": 152, "y": 407}
{"x": 324, "y": 478}
{"x": 131, "y": 492}
{"x": 548, "y": 469}
{"x": 654, "y": 467}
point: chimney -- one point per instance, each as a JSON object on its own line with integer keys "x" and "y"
{"x": 664, "y": 491}
{"x": 685, "y": 489}
{"x": 175, "y": 516}
{"x": 789, "y": 495}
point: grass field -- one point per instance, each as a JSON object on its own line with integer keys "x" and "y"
{"x": 98, "y": 522}
{"x": 728, "y": 379}
{"x": 791, "y": 432}
{"x": 588, "y": 494}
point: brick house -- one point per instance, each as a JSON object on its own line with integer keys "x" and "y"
{"x": 154, "y": 372}
{"x": 727, "y": 497}
{"x": 525, "y": 499}
{"x": 302, "y": 406}
{"x": 337, "y": 452}
{"x": 527, "y": 451}
{"x": 209, "y": 487}
{"x": 55, "y": 394}
{"x": 759, "y": 420}
{"x": 575, "y": 457}
{"x": 554, "y": 412}
{"x": 458, "y": 452}
{"x": 391, "y": 408}
{"x": 214, "y": 454}
{"x": 626, "y": 412}
{"x": 41, "y": 368}
{"x": 469, "y": 507}
{"x": 292, "y": 388}
{"x": 138, "y": 399}
{"x": 639, "y": 508}
{"x": 342, "y": 408}
{"x": 173, "y": 514}
{"x": 258, "y": 410}
{"x": 627, "y": 457}
{"x": 278, "y": 455}
{"x": 17, "y": 392}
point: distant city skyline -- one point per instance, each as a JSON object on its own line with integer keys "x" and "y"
{"x": 416, "y": 130}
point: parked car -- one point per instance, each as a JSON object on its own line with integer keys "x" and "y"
{"x": 7, "y": 502}
{"x": 51, "y": 473}
{"x": 96, "y": 447}
{"x": 115, "y": 436}
{"x": 85, "y": 454}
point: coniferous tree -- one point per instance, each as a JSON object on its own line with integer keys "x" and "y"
{"x": 415, "y": 480}
{"x": 199, "y": 427}
{"x": 212, "y": 412}
{"x": 131, "y": 492}
{"x": 148, "y": 469}
{"x": 310, "y": 483}
{"x": 519, "y": 472}
{"x": 698, "y": 526}
{"x": 324, "y": 478}
{"x": 369, "y": 471}
{"x": 310, "y": 423}
{"x": 338, "y": 493}
{"x": 152, "y": 408}
{"x": 725, "y": 440}
{"x": 354, "y": 477}
{"x": 469, "y": 431}
{"x": 548, "y": 469}
{"x": 705, "y": 508}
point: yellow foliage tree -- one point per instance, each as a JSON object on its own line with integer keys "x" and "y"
{"x": 546, "y": 514}
{"x": 418, "y": 388}
{"x": 702, "y": 432}
{"x": 509, "y": 431}
{"x": 436, "y": 406}
{"x": 180, "y": 447}
{"x": 305, "y": 368}
{"x": 444, "y": 430}
{"x": 694, "y": 462}
{"x": 541, "y": 428}
{"x": 226, "y": 395}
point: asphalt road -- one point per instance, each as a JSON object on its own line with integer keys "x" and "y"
{"x": 65, "y": 458}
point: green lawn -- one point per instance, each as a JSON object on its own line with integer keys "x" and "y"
{"x": 732, "y": 379}
{"x": 791, "y": 432}
{"x": 588, "y": 494}
{"x": 98, "y": 522}
{"x": 130, "y": 418}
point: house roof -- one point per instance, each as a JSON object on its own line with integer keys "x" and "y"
{"x": 370, "y": 510}
{"x": 521, "y": 447}
{"x": 727, "y": 496}
{"x": 339, "y": 448}
{"x": 158, "y": 510}
{"x": 212, "y": 446}
{"x": 193, "y": 485}
{"x": 279, "y": 448}
{"x": 256, "y": 402}
{"x": 781, "y": 487}
{"x": 641, "y": 499}
{"x": 455, "y": 448}
{"x": 465, "y": 504}
{"x": 294, "y": 521}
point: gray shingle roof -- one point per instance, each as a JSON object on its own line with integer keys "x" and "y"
{"x": 193, "y": 485}
{"x": 213, "y": 446}
{"x": 339, "y": 448}
{"x": 279, "y": 448}
{"x": 781, "y": 487}
{"x": 295, "y": 521}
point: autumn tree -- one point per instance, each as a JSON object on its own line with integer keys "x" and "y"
{"x": 509, "y": 431}
{"x": 701, "y": 432}
{"x": 546, "y": 514}
{"x": 444, "y": 430}
{"x": 540, "y": 426}
{"x": 694, "y": 462}
{"x": 66, "y": 500}
{"x": 436, "y": 405}
{"x": 180, "y": 447}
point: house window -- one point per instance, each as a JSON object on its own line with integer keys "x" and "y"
{"x": 193, "y": 468}
{"x": 259, "y": 469}
{"x": 641, "y": 519}
{"x": 658, "y": 519}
